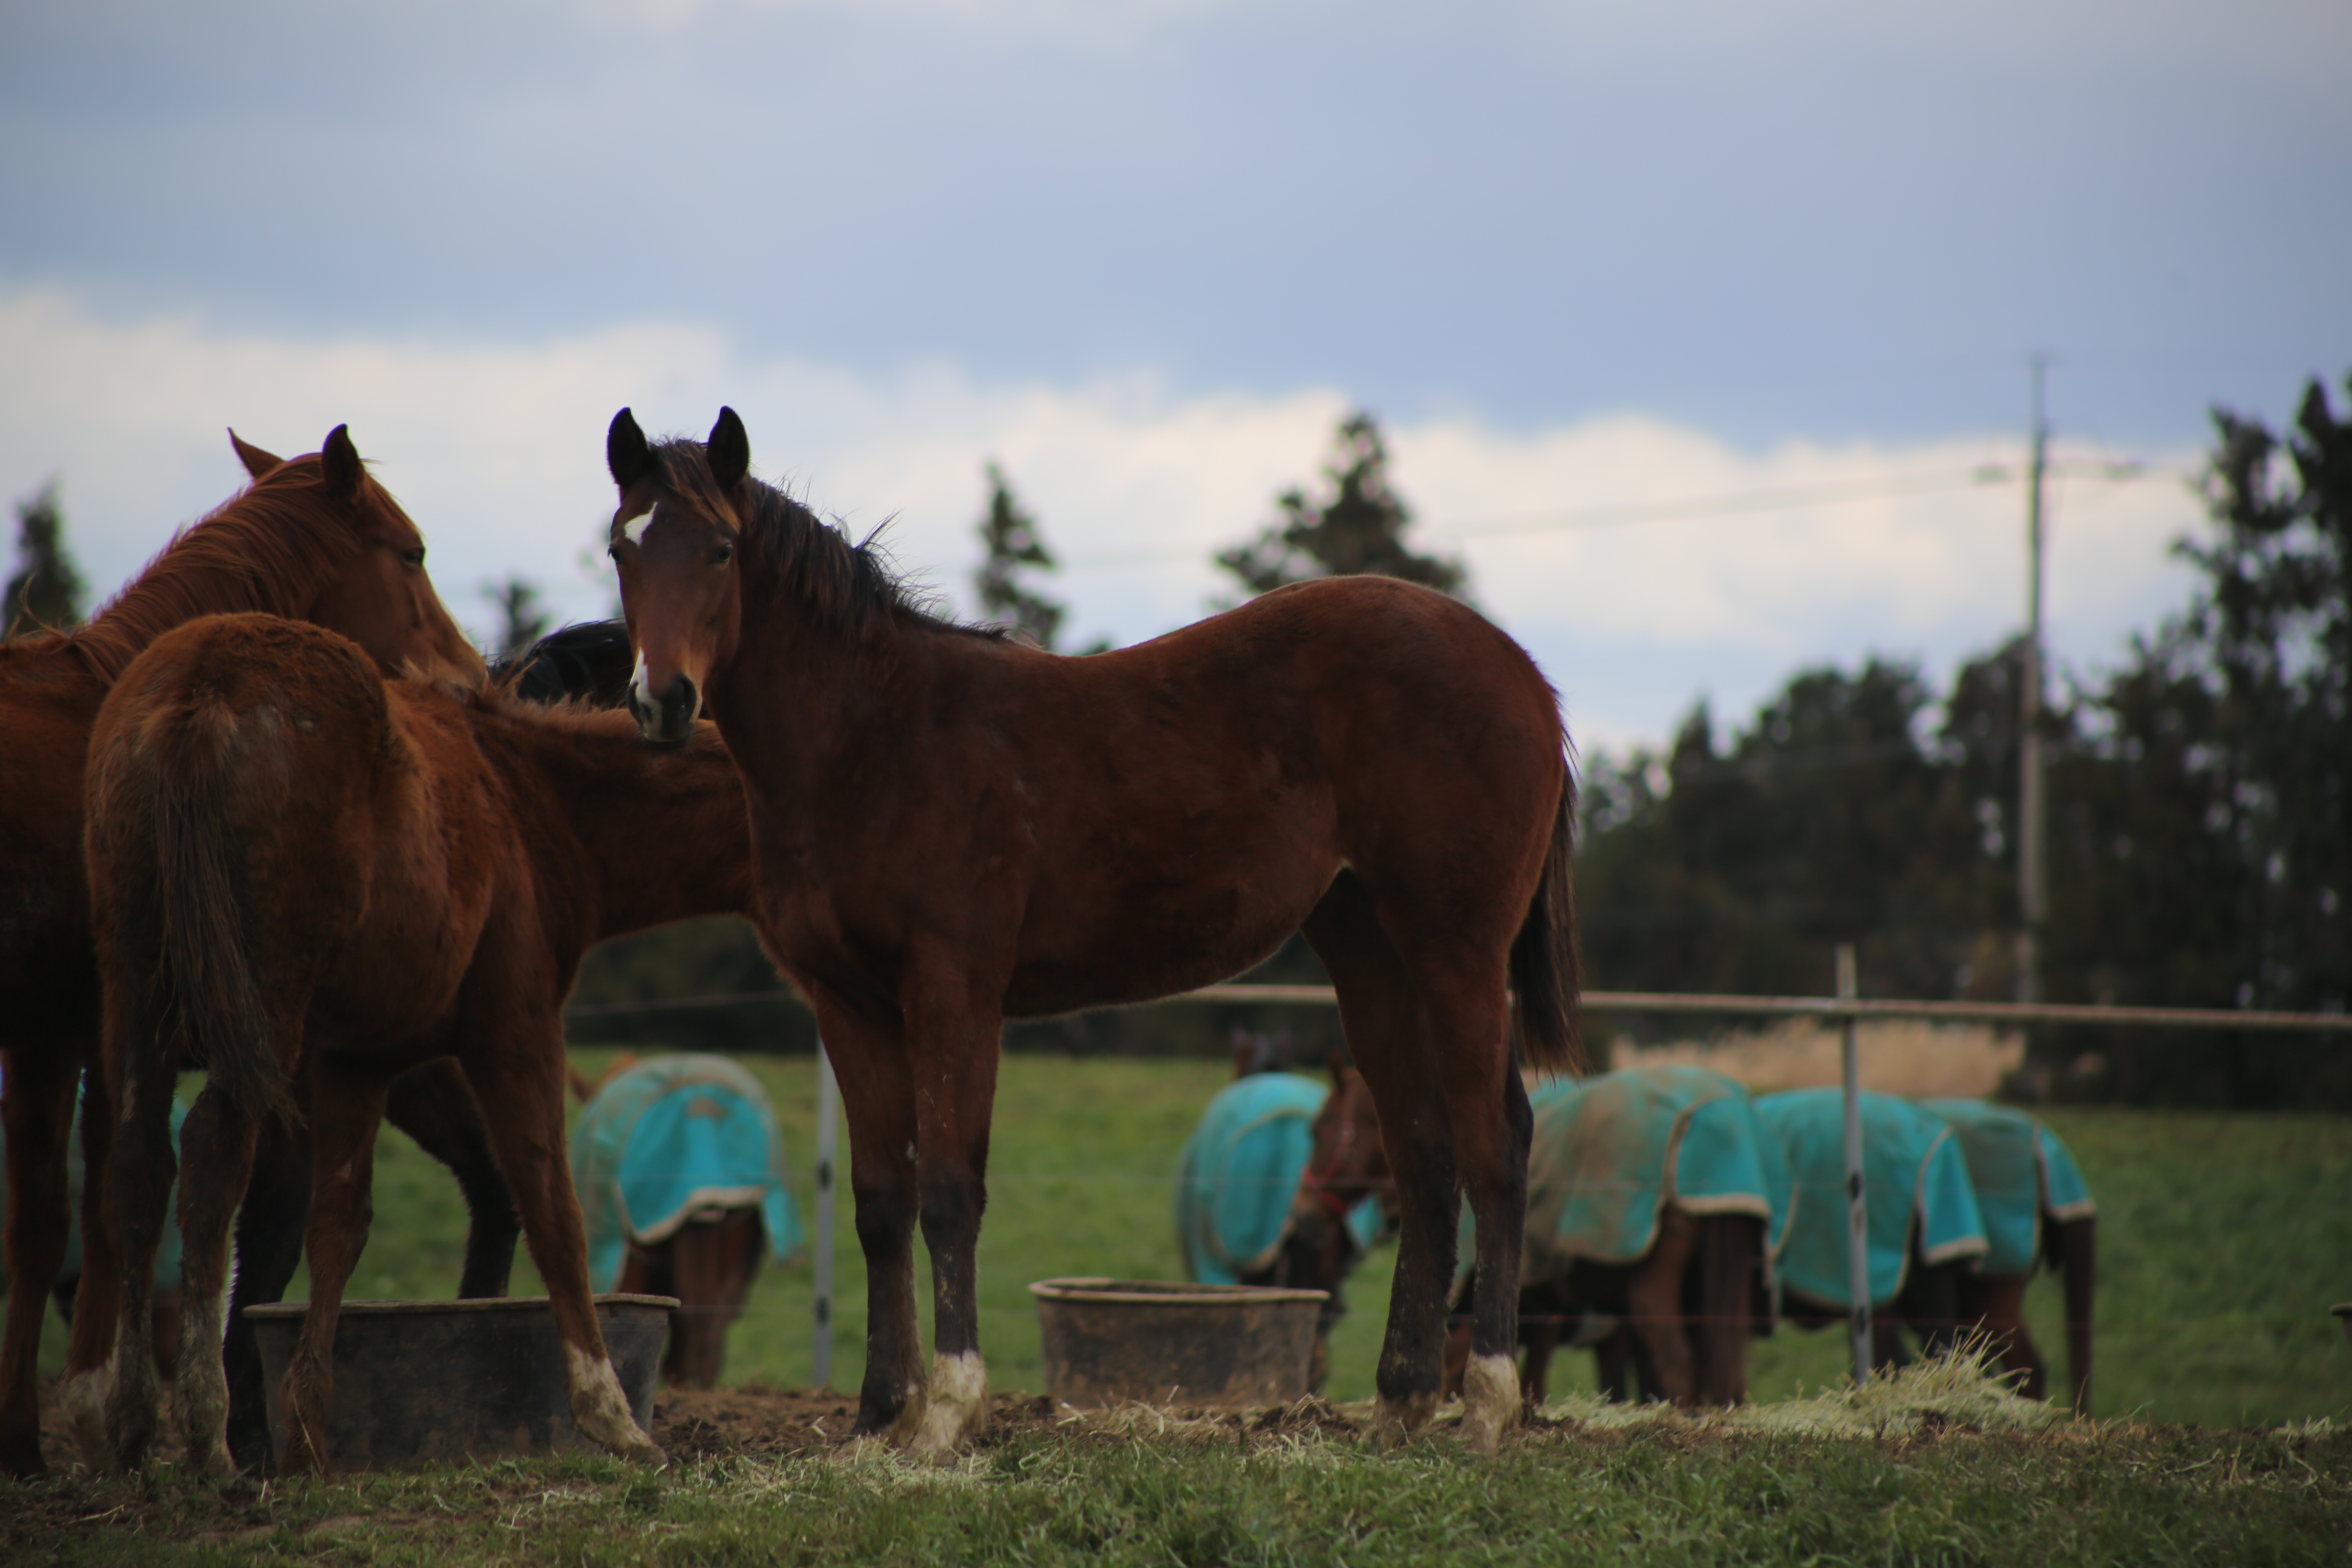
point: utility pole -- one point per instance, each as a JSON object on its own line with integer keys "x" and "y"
{"x": 2032, "y": 889}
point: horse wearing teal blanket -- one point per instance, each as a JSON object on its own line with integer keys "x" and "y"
{"x": 681, "y": 1171}
{"x": 1656, "y": 1205}
{"x": 1926, "y": 1230}
{"x": 2036, "y": 1207}
{"x": 1284, "y": 1183}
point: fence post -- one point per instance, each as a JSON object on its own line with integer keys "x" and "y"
{"x": 1857, "y": 1208}
{"x": 828, "y": 1100}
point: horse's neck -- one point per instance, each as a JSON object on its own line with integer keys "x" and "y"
{"x": 664, "y": 834}
{"x": 174, "y": 590}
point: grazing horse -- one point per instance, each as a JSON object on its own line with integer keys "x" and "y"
{"x": 1925, "y": 1228}
{"x": 1656, "y": 1204}
{"x": 314, "y": 537}
{"x": 952, "y": 830}
{"x": 680, "y": 1170}
{"x": 418, "y": 872}
{"x": 2036, "y": 1206}
{"x": 1284, "y": 1183}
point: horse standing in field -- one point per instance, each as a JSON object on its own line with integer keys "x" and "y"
{"x": 2037, "y": 1207}
{"x": 679, "y": 1166}
{"x": 314, "y": 537}
{"x": 1284, "y": 1183}
{"x": 1655, "y": 1206}
{"x": 421, "y": 871}
{"x": 952, "y": 828}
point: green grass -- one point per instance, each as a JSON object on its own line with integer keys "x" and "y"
{"x": 1107, "y": 1493}
{"x": 2224, "y": 1238}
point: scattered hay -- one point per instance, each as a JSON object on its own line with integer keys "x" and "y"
{"x": 1961, "y": 1392}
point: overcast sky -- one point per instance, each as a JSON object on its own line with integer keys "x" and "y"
{"x": 1145, "y": 252}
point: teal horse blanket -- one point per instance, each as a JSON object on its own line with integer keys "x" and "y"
{"x": 1912, "y": 1169}
{"x": 671, "y": 1138}
{"x": 1612, "y": 1152}
{"x": 1239, "y": 1171}
{"x": 167, "y": 1250}
{"x": 2023, "y": 1175}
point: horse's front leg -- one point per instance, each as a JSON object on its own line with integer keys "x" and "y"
{"x": 515, "y": 1062}
{"x": 953, "y": 1041}
{"x": 433, "y": 1104}
{"x": 877, "y": 1097}
{"x": 268, "y": 1250}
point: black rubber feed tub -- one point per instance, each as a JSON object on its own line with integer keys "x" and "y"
{"x": 1228, "y": 1347}
{"x": 422, "y": 1382}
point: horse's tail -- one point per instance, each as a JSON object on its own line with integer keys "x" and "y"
{"x": 2081, "y": 1265}
{"x": 1543, "y": 955}
{"x": 207, "y": 931}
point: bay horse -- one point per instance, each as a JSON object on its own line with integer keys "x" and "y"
{"x": 952, "y": 830}
{"x": 314, "y": 537}
{"x": 313, "y": 880}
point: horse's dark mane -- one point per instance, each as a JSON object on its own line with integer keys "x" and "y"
{"x": 269, "y": 549}
{"x": 846, "y": 588}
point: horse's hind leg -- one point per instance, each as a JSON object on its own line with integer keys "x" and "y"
{"x": 1724, "y": 1273}
{"x": 515, "y": 1063}
{"x": 36, "y": 1099}
{"x": 138, "y": 1171}
{"x": 268, "y": 1250}
{"x": 216, "y": 1157}
{"x": 1434, "y": 1050}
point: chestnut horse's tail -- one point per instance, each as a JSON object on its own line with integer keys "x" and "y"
{"x": 1543, "y": 955}
{"x": 204, "y": 982}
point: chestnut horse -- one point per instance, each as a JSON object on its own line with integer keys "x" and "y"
{"x": 432, "y": 1103}
{"x": 952, "y": 830}
{"x": 314, "y": 537}
{"x": 417, "y": 873}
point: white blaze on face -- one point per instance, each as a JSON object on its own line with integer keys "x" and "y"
{"x": 634, "y": 530}
{"x": 638, "y": 689}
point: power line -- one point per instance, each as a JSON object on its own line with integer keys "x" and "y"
{"x": 1878, "y": 487}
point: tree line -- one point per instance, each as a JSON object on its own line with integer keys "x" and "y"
{"x": 2199, "y": 833}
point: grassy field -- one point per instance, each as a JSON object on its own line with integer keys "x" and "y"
{"x": 2223, "y": 1241}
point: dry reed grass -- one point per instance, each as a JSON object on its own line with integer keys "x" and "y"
{"x": 1920, "y": 1059}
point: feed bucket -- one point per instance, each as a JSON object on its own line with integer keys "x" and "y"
{"x": 422, "y": 1382}
{"x": 1228, "y": 1347}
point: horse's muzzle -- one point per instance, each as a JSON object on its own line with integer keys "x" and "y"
{"x": 670, "y": 721}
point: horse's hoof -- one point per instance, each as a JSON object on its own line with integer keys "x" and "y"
{"x": 1394, "y": 1420}
{"x": 84, "y": 1398}
{"x": 1490, "y": 1402}
{"x": 954, "y": 1405}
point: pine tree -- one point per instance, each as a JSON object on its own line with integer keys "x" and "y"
{"x": 1358, "y": 528}
{"x": 46, "y": 593}
{"x": 523, "y": 614}
{"x": 1014, "y": 546}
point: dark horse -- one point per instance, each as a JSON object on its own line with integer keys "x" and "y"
{"x": 951, "y": 829}
{"x": 313, "y": 538}
{"x": 418, "y": 871}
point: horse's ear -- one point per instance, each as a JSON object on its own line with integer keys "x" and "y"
{"x": 625, "y": 451}
{"x": 342, "y": 461}
{"x": 257, "y": 462}
{"x": 730, "y": 451}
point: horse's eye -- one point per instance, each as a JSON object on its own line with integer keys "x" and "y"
{"x": 412, "y": 556}
{"x": 720, "y": 555}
